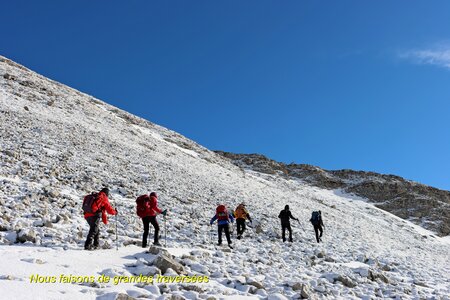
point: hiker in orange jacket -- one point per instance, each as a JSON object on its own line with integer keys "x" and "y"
{"x": 241, "y": 214}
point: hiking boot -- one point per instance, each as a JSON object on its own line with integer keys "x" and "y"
{"x": 157, "y": 244}
{"x": 219, "y": 244}
{"x": 229, "y": 245}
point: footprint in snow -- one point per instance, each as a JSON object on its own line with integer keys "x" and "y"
{"x": 33, "y": 261}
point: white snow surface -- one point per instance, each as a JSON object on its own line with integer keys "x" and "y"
{"x": 58, "y": 144}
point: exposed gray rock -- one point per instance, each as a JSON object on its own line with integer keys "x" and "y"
{"x": 375, "y": 275}
{"x": 122, "y": 296}
{"x": 297, "y": 286}
{"x": 158, "y": 251}
{"x": 26, "y": 235}
{"x": 346, "y": 281}
{"x": 305, "y": 291}
{"x": 164, "y": 262}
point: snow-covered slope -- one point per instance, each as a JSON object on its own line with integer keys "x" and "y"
{"x": 58, "y": 144}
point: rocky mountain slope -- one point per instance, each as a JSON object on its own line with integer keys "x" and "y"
{"x": 423, "y": 205}
{"x": 58, "y": 144}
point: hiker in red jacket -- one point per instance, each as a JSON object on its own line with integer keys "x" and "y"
{"x": 147, "y": 209}
{"x": 100, "y": 207}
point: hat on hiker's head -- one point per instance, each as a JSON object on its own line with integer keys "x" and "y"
{"x": 286, "y": 207}
{"x": 153, "y": 194}
{"x": 105, "y": 190}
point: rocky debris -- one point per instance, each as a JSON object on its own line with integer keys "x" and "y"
{"x": 26, "y": 235}
{"x": 194, "y": 288}
{"x": 346, "y": 281}
{"x": 305, "y": 291}
{"x": 155, "y": 250}
{"x": 376, "y": 275}
{"x": 256, "y": 284}
{"x": 122, "y": 296}
{"x": 164, "y": 262}
{"x": 321, "y": 254}
{"x": 297, "y": 286}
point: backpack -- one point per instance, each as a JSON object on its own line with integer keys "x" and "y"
{"x": 240, "y": 212}
{"x": 222, "y": 213}
{"x": 315, "y": 218}
{"x": 88, "y": 202}
{"x": 141, "y": 208}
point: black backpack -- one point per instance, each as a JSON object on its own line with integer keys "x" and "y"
{"x": 88, "y": 201}
{"x": 315, "y": 218}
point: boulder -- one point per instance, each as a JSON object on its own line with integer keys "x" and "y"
{"x": 158, "y": 250}
{"x": 164, "y": 263}
{"x": 26, "y": 235}
{"x": 305, "y": 291}
{"x": 346, "y": 281}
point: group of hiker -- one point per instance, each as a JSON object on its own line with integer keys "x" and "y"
{"x": 97, "y": 205}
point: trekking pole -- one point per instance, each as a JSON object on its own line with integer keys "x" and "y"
{"x": 165, "y": 232}
{"x": 301, "y": 225}
{"x": 117, "y": 240}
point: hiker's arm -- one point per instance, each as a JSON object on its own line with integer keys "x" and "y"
{"x": 107, "y": 206}
{"x": 213, "y": 219}
{"x": 231, "y": 218}
{"x": 158, "y": 210}
{"x": 292, "y": 217}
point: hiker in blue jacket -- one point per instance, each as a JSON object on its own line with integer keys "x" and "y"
{"x": 223, "y": 220}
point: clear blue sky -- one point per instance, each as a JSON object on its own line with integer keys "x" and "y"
{"x": 363, "y": 85}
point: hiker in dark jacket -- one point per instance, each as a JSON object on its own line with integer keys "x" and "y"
{"x": 100, "y": 207}
{"x": 316, "y": 220}
{"x": 285, "y": 216}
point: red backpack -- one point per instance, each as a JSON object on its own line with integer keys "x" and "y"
{"x": 141, "y": 208}
{"x": 88, "y": 202}
{"x": 222, "y": 213}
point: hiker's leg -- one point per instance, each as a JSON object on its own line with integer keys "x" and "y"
{"x": 227, "y": 233}
{"x": 219, "y": 233}
{"x": 316, "y": 230}
{"x": 238, "y": 226}
{"x": 156, "y": 226}
{"x": 320, "y": 230}
{"x": 94, "y": 223}
{"x": 146, "y": 222}
{"x": 97, "y": 233}
{"x": 283, "y": 232}
{"x": 290, "y": 233}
